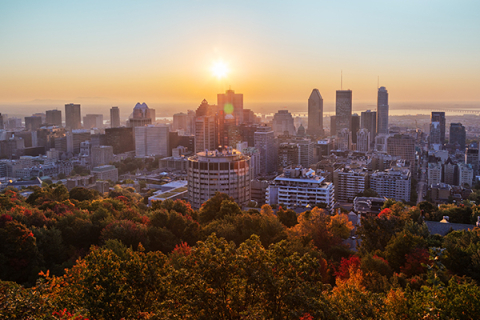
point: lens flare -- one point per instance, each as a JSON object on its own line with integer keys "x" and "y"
{"x": 220, "y": 69}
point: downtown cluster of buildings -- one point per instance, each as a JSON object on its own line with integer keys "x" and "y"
{"x": 224, "y": 147}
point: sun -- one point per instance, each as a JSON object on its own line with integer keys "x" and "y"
{"x": 220, "y": 69}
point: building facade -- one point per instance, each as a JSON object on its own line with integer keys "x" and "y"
{"x": 382, "y": 111}
{"x": 152, "y": 141}
{"x": 114, "y": 117}
{"x": 392, "y": 183}
{"x": 73, "y": 117}
{"x": 343, "y": 110}
{"x": 266, "y": 145}
{"x": 53, "y": 117}
{"x": 227, "y": 171}
{"x": 315, "y": 114}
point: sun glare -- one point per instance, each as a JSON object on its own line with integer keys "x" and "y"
{"x": 220, "y": 69}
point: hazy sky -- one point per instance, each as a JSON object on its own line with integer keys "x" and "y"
{"x": 162, "y": 51}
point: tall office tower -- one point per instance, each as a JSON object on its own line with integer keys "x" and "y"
{"x": 93, "y": 121}
{"x": 205, "y": 109}
{"x": 355, "y": 126}
{"x": 471, "y": 157}
{"x": 114, "y": 117}
{"x": 363, "y": 140}
{"x": 142, "y": 115}
{"x": 382, "y": 111}
{"x": 2, "y": 121}
{"x": 180, "y": 121}
{"x": 248, "y": 116}
{"x": 33, "y": 123}
{"x": 403, "y": 146}
{"x": 227, "y": 171}
{"x": 205, "y": 133}
{"x": 343, "y": 110}
{"x": 231, "y": 103}
{"x": 450, "y": 172}
{"x": 54, "y": 117}
{"x": 122, "y": 139}
{"x": 457, "y": 135}
{"x": 152, "y": 141}
{"x": 315, "y": 114}
{"x": 73, "y": 117}
{"x": 333, "y": 125}
{"x": 368, "y": 120}
{"x": 283, "y": 122}
{"x": 437, "y": 131}
{"x": 265, "y": 143}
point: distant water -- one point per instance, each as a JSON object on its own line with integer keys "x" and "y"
{"x": 166, "y": 110}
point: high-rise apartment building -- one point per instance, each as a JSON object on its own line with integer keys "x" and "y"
{"x": 287, "y": 154}
{"x": 265, "y": 143}
{"x": 205, "y": 133}
{"x": 315, "y": 114}
{"x": 354, "y": 127}
{"x": 114, "y": 117}
{"x": 393, "y": 183}
{"x": 226, "y": 171}
{"x": 343, "y": 110}
{"x": 457, "y": 135}
{"x": 434, "y": 173}
{"x": 300, "y": 188}
{"x": 437, "y": 130}
{"x": 231, "y": 103}
{"x": 465, "y": 175}
{"x": 349, "y": 182}
{"x": 382, "y": 111}
{"x": 152, "y": 141}
{"x": 305, "y": 152}
{"x": 54, "y": 117}
{"x": 283, "y": 122}
{"x": 93, "y": 121}
{"x": 368, "y": 121}
{"x": 344, "y": 139}
{"x": 73, "y": 117}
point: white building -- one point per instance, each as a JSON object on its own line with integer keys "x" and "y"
{"x": 151, "y": 141}
{"x": 465, "y": 174}
{"x": 298, "y": 187}
{"x": 393, "y": 183}
{"x": 213, "y": 171}
{"x": 434, "y": 173}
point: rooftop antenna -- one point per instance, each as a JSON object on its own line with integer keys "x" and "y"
{"x": 341, "y": 79}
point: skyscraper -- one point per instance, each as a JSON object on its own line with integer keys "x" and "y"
{"x": 333, "y": 125}
{"x": 205, "y": 133}
{"x": 315, "y": 114}
{"x": 283, "y": 121}
{"x": 265, "y": 143}
{"x": 343, "y": 110}
{"x": 73, "y": 118}
{"x": 457, "y": 135}
{"x": 368, "y": 121}
{"x": 437, "y": 130}
{"x": 93, "y": 121}
{"x": 114, "y": 117}
{"x": 382, "y": 111}
{"x": 232, "y": 104}
{"x": 354, "y": 127}
{"x": 54, "y": 117}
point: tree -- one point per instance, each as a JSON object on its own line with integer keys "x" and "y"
{"x": 83, "y": 194}
{"x": 287, "y": 217}
{"x": 209, "y": 210}
{"x": 126, "y": 231}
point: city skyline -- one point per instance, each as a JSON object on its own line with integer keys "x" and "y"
{"x": 164, "y": 52}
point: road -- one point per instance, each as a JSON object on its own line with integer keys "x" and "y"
{"x": 422, "y": 183}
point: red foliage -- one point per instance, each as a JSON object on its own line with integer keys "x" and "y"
{"x": 306, "y": 316}
{"x": 385, "y": 213}
{"x": 346, "y": 265}
{"x": 415, "y": 262}
{"x": 4, "y": 218}
{"x": 64, "y": 315}
{"x": 380, "y": 258}
{"x": 182, "y": 249}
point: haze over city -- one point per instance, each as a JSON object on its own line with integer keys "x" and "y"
{"x": 165, "y": 53}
